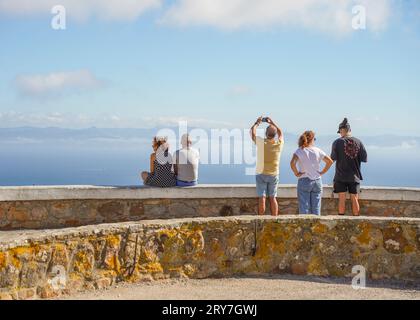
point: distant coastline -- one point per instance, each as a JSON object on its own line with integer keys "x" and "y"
{"x": 100, "y": 156}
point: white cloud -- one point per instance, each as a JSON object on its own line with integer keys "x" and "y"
{"x": 12, "y": 119}
{"x": 18, "y": 119}
{"x": 42, "y": 85}
{"x": 239, "y": 90}
{"x": 412, "y": 144}
{"x": 404, "y": 145}
{"x": 325, "y": 15}
{"x": 152, "y": 122}
{"x": 366, "y": 120}
{"x": 81, "y": 9}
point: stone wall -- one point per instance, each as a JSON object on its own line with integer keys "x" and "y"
{"x": 57, "y": 207}
{"x": 47, "y": 263}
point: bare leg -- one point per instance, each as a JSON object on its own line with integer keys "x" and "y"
{"x": 274, "y": 206}
{"x": 355, "y": 204}
{"x": 261, "y": 206}
{"x": 144, "y": 175}
{"x": 342, "y": 203}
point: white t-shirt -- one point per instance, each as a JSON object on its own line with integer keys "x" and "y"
{"x": 187, "y": 161}
{"x": 310, "y": 162}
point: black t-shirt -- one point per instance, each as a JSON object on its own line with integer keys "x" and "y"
{"x": 348, "y": 153}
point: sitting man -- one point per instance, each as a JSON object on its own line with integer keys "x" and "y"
{"x": 268, "y": 162}
{"x": 186, "y": 163}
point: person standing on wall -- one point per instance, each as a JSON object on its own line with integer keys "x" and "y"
{"x": 348, "y": 152}
{"x": 308, "y": 158}
{"x": 268, "y": 162}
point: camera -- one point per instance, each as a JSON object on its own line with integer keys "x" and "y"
{"x": 264, "y": 119}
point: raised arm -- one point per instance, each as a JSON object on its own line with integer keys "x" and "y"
{"x": 253, "y": 130}
{"x": 279, "y": 131}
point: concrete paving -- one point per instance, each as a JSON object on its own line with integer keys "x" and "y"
{"x": 261, "y": 288}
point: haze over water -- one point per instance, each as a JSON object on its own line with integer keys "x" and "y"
{"x": 118, "y": 161}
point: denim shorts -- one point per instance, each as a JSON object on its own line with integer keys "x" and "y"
{"x": 267, "y": 185}
{"x": 180, "y": 183}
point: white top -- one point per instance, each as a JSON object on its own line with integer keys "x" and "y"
{"x": 187, "y": 161}
{"x": 310, "y": 162}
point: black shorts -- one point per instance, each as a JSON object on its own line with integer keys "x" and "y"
{"x": 350, "y": 187}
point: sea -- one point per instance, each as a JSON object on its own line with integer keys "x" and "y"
{"x": 119, "y": 163}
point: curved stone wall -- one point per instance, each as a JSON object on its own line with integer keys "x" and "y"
{"x": 70, "y": 206}
{"x": 47, "y": 263}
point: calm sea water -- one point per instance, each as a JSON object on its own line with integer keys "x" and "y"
{"x": 73, "y": 162}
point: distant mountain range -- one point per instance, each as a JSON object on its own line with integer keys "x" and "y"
{"x": 55, "y": 133}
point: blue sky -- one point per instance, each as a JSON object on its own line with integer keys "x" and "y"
{"x": 157, "y": 61}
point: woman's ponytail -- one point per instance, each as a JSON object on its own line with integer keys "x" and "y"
{"x": 306, "y": 139}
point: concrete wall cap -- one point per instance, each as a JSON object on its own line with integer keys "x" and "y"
{"x": 80, "y": 192}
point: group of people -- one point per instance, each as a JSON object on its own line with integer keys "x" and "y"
{"x": 166, "y": 170}
{"x": 348, "y": 153}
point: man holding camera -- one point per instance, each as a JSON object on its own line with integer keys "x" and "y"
{"x": 268, "y": 162}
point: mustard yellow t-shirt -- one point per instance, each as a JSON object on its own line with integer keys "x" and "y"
{"x": 268, "y": 156}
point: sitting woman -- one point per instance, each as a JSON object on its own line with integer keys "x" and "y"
{"x": 309, "y": 187}
{"x": 161, "y": 170}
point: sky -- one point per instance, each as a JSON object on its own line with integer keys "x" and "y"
{"x": 215, "y": 63}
